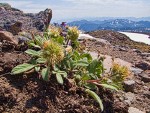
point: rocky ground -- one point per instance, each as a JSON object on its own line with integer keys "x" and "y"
{"x": 30, "y": 94}
{"x": 118, "y": 39}
{"x": 137, "y": 92}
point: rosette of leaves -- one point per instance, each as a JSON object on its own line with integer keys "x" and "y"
{"x": 44, "y": 60}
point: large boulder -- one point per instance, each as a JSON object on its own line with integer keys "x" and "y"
{"x": 14, "y": 20}
{"x": 42, "y": 19}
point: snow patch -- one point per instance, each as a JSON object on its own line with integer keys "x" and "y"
{"x": 138, "y": 37}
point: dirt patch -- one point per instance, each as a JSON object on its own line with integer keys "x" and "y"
{"x": 10, "y": 59}
{"x": 31, "y": 94}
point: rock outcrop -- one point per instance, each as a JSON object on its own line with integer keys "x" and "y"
{"x": 14, "y": 20}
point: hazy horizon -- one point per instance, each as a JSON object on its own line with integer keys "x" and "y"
{"x": 80, "y": 9}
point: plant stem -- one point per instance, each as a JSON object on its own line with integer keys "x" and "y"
{"x": 5, "y": 74}
{"x": 92, "y": 81}
{"x": 67, "y": 42}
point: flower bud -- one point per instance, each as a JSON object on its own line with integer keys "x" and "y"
{"x": 68, "y": 49}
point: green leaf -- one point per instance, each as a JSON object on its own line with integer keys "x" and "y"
{"x": 93, "y": 76}
{"x": 37, "y": 69}
{"x": 76, "y": 55}
{"x": 96, "y": 97}
{"x": 109, "y": 87}
{"x": 78, "y": 77}
{"x": 63, "y": 73}
{"x": 59, "y": 78}
{"x": 34, "y": 45}
{"x": 83, "y": 62}
{"x": 56, "y": 68}
{"x": 57, "y": 71}
{"x": 95, "y": 67}
{"x": 85, "y": 77}
{"x": 32, "y": 61}
{"x": 45, "y": 73}
{"x": 90, "y": 86}
{"x": 41, "y": 60}
{"x": 22, "y": 68}
{"x": 33, "y": 52}
{"x": 59, "y": 39}
{"x": 39, "y": 41}
{"x": 88, "y": 56}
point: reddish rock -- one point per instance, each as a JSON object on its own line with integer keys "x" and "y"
{"x": 4, "y": 35}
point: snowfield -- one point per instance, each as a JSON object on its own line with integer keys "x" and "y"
{"x": 85, "y": 36}
{"x": 133, "y": 36}
{"x": 138, "y": 37}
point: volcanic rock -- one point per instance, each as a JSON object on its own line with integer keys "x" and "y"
{"x": 14, "y": 20}
{"x": 136, "y": 71}
{"x": 145, "y": 77}
{"x": 14, "y": 28}
{"x": 129, "y": 85}
{"x": 143, "y": 65}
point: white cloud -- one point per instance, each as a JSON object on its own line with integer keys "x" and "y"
{"x": 86, "y": 8}
{"x": 17, "y": 3}
{"x": 102, "y": 1}
{"x": 122, "y": 8}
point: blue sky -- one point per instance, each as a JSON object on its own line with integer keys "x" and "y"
{"x": 66, "y": 9}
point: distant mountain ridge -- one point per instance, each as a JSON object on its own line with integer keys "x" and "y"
{"x": 113, "y": 24}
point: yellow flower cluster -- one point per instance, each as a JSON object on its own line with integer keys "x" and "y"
{"x": 54, "y": 32}
{"x": 73, "y": 33}
{"x": 53, "y": 52}
{"x": 120, "y": 70}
